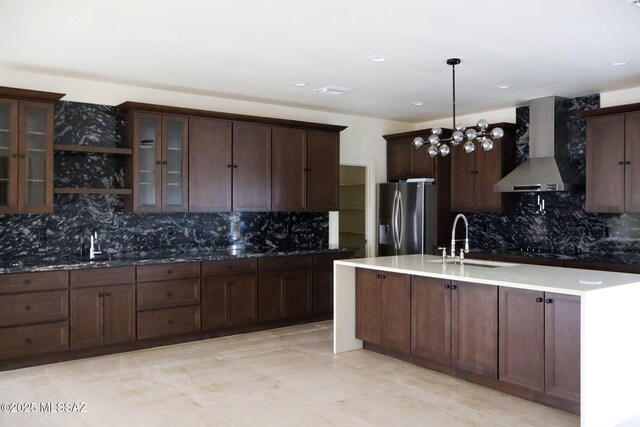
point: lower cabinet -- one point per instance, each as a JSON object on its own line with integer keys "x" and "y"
{"x": 102, "y": 306}
{"x": 431, "y": 319}
{"x": 322, "y": 281}
{"x": 284, "y": 287}
{"x": 168, "y": 321}
{"x": 540, "y": 341}
{"x": 383, "y": 309}
{"x": 229, "y": 293}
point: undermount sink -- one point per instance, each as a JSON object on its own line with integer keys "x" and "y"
{"x": 476, "y": 263}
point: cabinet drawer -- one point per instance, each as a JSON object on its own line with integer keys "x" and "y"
{"x": 169, "y": 321}
{"x": 152, "y": 273}
{"x": 170, "y": 293}
{"x": 284, "y": 262}
{"x": 102, "y": 277}
{"x": 37, "y": 307}
{"x": 231, "y": 266}
{"x": 326, "y": 260}
{"x": 34, "y": 339}
{"x": 27, "y": 282}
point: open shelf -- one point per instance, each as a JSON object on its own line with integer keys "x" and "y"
{"x": 92, "y": 149}
{"x": 103, "y": 191}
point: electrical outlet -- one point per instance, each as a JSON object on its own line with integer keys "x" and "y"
{"x": 171, "y": 232}
{"x": 42, "y": 234}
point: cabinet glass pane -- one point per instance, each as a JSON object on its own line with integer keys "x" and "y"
{"x": 36, "y": 156}
{"x": 174, "y": 163}
{"x": 147, "y": 161}
{"x": 5, "y": 147}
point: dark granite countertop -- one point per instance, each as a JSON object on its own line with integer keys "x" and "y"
{"x": 27, "y": 265}
{"x": 609, "y": 258}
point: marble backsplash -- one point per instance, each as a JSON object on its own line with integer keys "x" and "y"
{"x": 564, "y": 227}
{"x": 64, "y": 232}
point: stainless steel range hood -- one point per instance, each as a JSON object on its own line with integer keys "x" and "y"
{"x": 548, "y": 167}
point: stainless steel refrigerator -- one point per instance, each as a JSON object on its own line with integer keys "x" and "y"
{"x": 406, "y": 218}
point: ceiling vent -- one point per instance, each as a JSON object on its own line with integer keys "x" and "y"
{"x": 333, "y": 90}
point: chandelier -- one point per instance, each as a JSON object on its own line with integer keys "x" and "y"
{"x": 483, "y": 136}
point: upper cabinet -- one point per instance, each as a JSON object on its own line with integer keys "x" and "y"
{"x": 404, "y": 161}
{"x": 26, "y": 151}
{"x": 251, "y": 167}
{"x": 157, "y": 171}
{"x": 323, "y": 168}
{"x": 613, "y": 159}
{"x": 474, "y": 175}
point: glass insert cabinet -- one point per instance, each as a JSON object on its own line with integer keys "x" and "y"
{"x": 159, "y": 162}
{"x": 26, "y": 156}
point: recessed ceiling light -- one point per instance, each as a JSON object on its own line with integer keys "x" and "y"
{"x": 299, "y": 84}
{"x": 503, "y": 86}
{"x": 417, "y": 103}
{"x": 332, "y": 90}
{"x": 618, "y": 63}
{"x": 380, "y": 58}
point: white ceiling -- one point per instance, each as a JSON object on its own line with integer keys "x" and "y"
{"x": 254, "y": 49}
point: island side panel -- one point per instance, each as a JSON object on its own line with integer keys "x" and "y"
{"x": 610, "y": 351}
{"x": 344, "y": 309}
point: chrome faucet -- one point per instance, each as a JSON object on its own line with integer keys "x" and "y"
{"x": 464, "y": 250}
{"x": 94, "y": 249}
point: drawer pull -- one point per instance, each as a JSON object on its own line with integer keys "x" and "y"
{"x": 169, "y": 271}
{"x": 169, "y": 294}
{"x": 170, "y": 322}
{"x": 539, "y": 299}
{"x": 27, "y": 307}
{"x": 549, "y": 301}
{"x": 454, "y": 287}
{"x": 100, "y": 295}
{"x": 28, "y": 340}
{"x": 27, "y": 282}
{"x": 447, "y": 286}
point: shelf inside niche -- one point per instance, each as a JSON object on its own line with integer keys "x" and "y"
{"x": 92, "y": 149}
{"x": 103, "y": 191}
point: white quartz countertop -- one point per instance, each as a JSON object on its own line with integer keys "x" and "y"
{"x": 571, "y": 281}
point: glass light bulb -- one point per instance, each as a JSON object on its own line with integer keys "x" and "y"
{"x": 497, "y": 133}
{"x": 457, "y": 137}
{"x": 436, "y": 131}
{"x": 469, "y": 147}
{"x": 418, "y": 143}
{"x": 434, "y": 140}
{"x": 471, "y": 134}
{"x": 461, "y": 127}
{"x": 483, "y": 125}
{"x": 444, "y": 150}
{"x": 433, "y": 151}
{"x": 487, "y": 145}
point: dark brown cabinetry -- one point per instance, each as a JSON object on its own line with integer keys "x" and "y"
{"x": 229, "y": 293}
{"x": 158, "y": 169}
{"x": 210, "y": 165}
{"x": 289, "y": 170}
{"x": 613, "y": 163}
{"x": 474, "y": 175}
{"x": 404, "y": 161}
{"x": 323, "y": 169}
{"x": 284, "y": 287}
{"x": 102, "y": 306}
{"x": 167, "y": 299}
{"x": 431, "y": 319}
{"x": 26, "y": 151}
{"x": 251, "y": 167}
{"x": 322, "y": 281}
{"x": 34, "y": 312}
{"x": 540, "y": 342}
{"x": 383, "y": 309}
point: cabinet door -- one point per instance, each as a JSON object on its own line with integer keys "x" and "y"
{"x": 297, "y": 293}
{"x": 270, "y": 296}
{"x": 396, "y": 311}
{"x": 251, "y": 167}
{"x": 288, "y": 163}
{"x": 474, "y": 327}
{"x": 86, "y": 317}
{"x": 35, "y": 159}
{"x": 368, "y": 306}
{"x": 605, "y": 164}
{"x": 431, "y": 319}
{"x": 322, "y": 290}
{"x": 8, "y": 156}
{"x": 422, "y": 164}
{"x": 488, "y": 173}
{"x": 398, "y": 159}
{"x": 562, "y": 346}
{"x": 147, "y": 157}
{"x": 463, "y": 180}
{"x": 119, "y": 314}
{"x": 175, "y": 157}
{"x": 521, "y": 342}
{"x": 632, "y": 163}
{"x": 242, "y": 299}
{"x": 214, "y": 302}
{"x": 323, "y": 170}
{"x": 209, "y": 165}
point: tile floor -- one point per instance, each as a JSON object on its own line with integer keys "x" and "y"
{"x": 282, "y": 377}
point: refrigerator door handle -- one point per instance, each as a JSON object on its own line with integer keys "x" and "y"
{"x": 400, "y": 219}
{"x": 394, "y": 220}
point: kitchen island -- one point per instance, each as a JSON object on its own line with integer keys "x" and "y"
{"x": 608, "y": 319}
